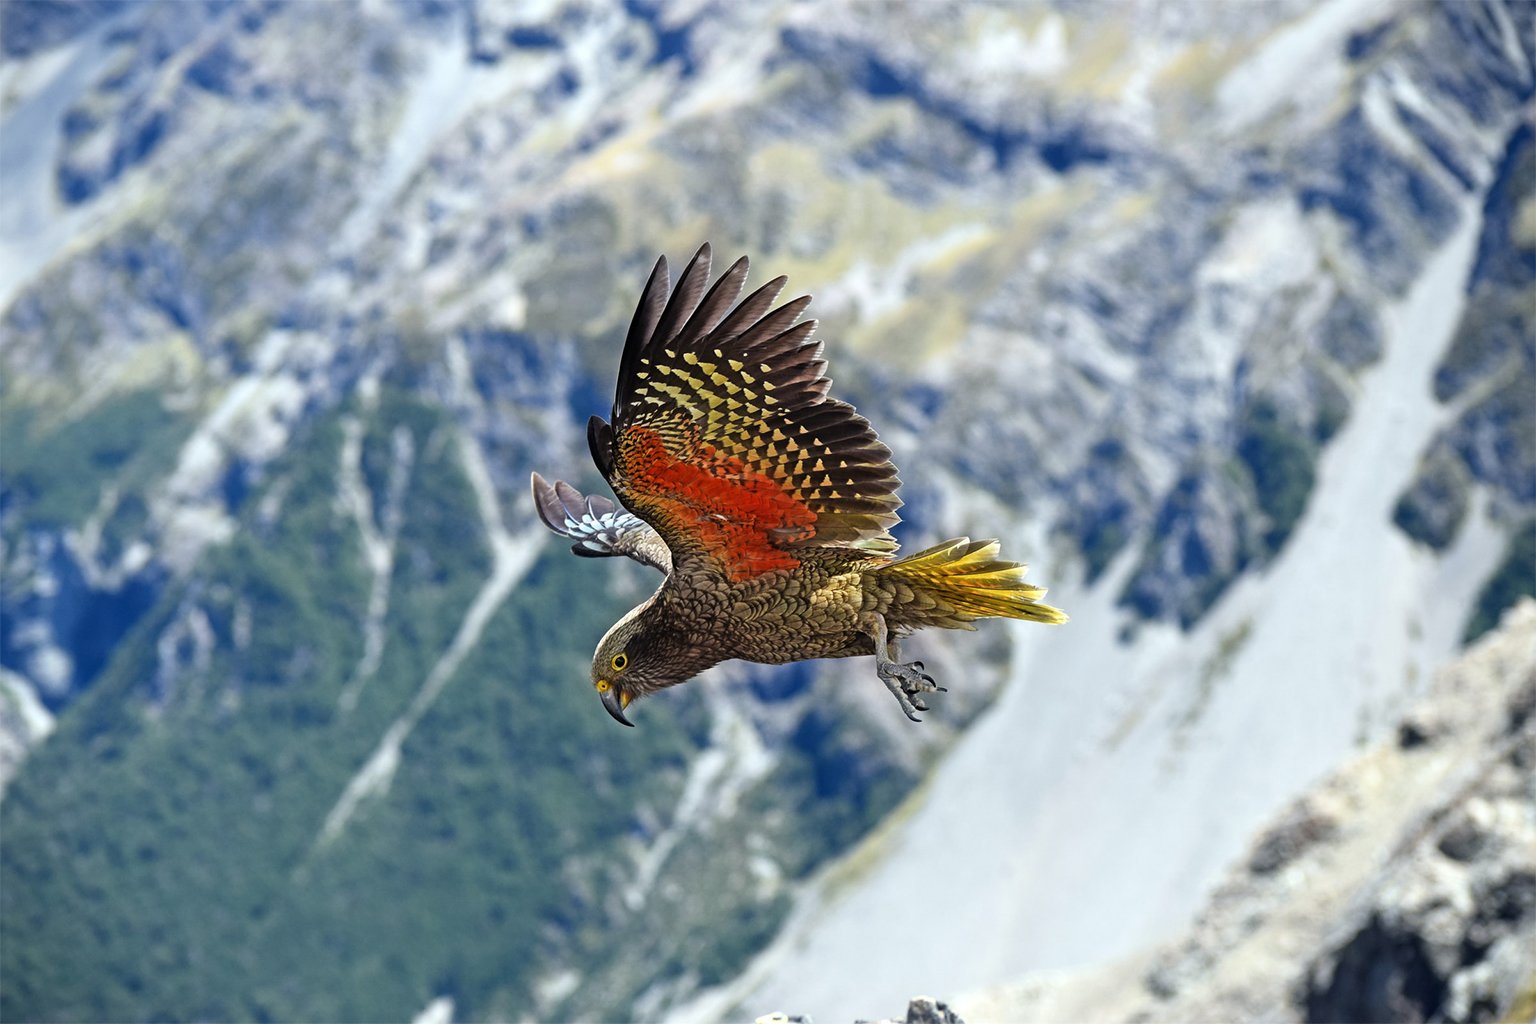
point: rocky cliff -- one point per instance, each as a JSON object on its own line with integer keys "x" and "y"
{"x": 1401, "y": 888}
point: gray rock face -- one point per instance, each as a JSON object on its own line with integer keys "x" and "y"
{"x": 1487, "y": 370}
{"x": 1447, "y": 931}
{"x": 30, "y": 27}
{"x": 1205, "y": 537}
{"x": 24, "y": 723}
{"x": 923, "y": 1010}
{"x": 1431, "y": 511}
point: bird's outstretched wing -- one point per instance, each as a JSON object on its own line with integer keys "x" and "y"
{"x": 597, "y": 525}
{"x": 723, "y": 437}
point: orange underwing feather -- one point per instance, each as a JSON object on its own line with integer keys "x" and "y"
{"x": 733, "y": 509}
{"x": 723, "y": 437}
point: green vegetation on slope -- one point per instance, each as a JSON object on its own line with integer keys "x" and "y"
{"x": 1281, "y": 460}
{"x": 162, "y": 854}
{"x": 148, "y": 836}
{"x": 55, "y": 470}
{"x": 159, "y": 857}
{"x": 1434, "y": 506}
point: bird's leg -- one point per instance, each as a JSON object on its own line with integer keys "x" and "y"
{"x": 907, "y": 682}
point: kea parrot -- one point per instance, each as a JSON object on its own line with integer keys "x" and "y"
{"x": 766, "y": 503}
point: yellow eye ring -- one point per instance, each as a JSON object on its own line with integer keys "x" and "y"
{"x": 620, "y": 662}
{"x": 603, "y": 686}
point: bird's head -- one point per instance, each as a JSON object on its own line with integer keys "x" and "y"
{"x": 614, "y": 668}
{"x": 635, "y": 658}
{"x": 642, "y": 653}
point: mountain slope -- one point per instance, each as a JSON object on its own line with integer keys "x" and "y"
{"x": 295, "y": 296}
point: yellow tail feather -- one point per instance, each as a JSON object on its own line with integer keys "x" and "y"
{"x": 967, "y": 580}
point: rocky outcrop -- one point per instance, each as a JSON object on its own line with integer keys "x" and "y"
{"x": 920, "y": 1010}
{"x": 924, "y": 1010}
{"x": 24, "y": 723}
{"x": 1402, "y": 888}
{"x": 1486, "y": 372}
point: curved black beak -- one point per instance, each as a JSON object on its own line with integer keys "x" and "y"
{"x": 615, "y": 706}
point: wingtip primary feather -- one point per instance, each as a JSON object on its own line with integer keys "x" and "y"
{"x": 648, "y": 312}
{"x": 685, "y": 297}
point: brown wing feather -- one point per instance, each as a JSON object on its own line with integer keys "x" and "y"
{"x": 723, "y": 437}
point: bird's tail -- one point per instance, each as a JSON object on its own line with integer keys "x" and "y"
{"x": 963, "y": 579}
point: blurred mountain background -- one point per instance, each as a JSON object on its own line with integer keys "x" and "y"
{"x": 1220, "y": 315}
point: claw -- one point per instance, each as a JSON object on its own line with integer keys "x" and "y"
{"x": 907, "y": 685}
{"x": 906, "y": 681}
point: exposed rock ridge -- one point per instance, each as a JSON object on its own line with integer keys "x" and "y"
{"x": 1403, "y": 887}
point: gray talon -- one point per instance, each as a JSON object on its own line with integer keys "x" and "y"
{"x": 905, "y": 684}
{"x": 905, "y": 680}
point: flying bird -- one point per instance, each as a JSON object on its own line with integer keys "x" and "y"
{"x": 767, "y": 504}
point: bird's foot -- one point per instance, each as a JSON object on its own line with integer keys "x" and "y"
{"x": 907, "y": 683}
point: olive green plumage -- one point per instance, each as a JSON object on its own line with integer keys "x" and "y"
{"x": 767, "y": 503}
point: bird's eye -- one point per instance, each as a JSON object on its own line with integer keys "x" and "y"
{"x": 620, "y": 662}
